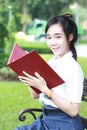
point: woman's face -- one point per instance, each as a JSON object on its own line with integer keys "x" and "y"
{"x": 57, "y": 41}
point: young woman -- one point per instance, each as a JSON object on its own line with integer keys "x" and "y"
{"x": 62, "y": 103}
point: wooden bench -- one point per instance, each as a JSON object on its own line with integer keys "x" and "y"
{"x": 33, "y": 111}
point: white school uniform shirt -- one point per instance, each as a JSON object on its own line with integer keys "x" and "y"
{"x": 70, "y": 71}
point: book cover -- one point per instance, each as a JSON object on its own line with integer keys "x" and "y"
{"x": 16, "y": 53}
{"x": 32, "y": 62}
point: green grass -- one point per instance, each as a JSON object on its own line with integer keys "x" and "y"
{"x": 83, "y": 62}
{"x": 14, "y": 96}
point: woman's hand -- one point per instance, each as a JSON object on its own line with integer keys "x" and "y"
{"x": 36, "y": 81}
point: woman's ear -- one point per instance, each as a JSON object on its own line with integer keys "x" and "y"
{"x": 70, "y": 37}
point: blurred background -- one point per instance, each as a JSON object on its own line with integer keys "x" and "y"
{"x": 23, "y": 22}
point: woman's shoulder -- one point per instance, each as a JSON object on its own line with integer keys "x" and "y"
{"x": 75, "y": 66}
{"x": 74, "y": 63}
{"x": 50, "y": 61}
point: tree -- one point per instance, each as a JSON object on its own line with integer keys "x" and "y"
{"x": 11, "y": 34}
{"x": 26, "y": 10}
{"x": 3, "y": 35}
{"x": 43, "y": 9}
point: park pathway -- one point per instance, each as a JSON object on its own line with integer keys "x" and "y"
{"x": 81, "y": 50}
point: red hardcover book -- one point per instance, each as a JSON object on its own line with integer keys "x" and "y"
{"x": 32, "y": 62}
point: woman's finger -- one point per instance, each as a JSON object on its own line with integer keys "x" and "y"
{"x": 22, "y": 78}
{"x": 39, "y": 76}
{"x": 28, "y": 75}
{"x": 26, "y": 52}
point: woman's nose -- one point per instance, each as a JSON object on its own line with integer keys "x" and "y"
{"x": 53, "y": 41}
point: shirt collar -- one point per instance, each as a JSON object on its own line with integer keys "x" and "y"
{"x": 65, "y": 57}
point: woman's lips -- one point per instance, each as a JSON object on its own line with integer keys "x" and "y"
{"x": 55, "y": 49}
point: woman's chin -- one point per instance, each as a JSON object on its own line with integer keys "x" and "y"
{"x": 55, "y": 53}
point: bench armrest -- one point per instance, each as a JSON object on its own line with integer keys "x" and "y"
{"x": 31, "y": 111}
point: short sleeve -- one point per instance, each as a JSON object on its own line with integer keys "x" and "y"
{"x": 74, "y": 88}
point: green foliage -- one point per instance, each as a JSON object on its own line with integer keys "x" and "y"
{"x": 44, "y": 10}
{"x": 7, "y": 74}
{"x": 40, "y": 47}
{"x": 18, "y": 21}
{"x": 3, "y": 35}
{"x": 30, "y": 9}
{"x": 6, "y": 37}
{"x": 11, "y": 31}
{"x": 82, "y": 41}
{"x": 25, "y": 11}
{"x": 3, "y": 12}
{"x": 3, "y": 60}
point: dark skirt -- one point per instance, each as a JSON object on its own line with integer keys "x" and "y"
{"x": 54, "y": 120}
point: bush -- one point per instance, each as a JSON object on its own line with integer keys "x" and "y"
{"x": 3, "y": 59}
{"x": 3, "y": 35}
{"x": 39, "y": 50}
{"x": 40, "y": 47}
{"x": 7, "y": 74}
{"x": 82, "y": 40}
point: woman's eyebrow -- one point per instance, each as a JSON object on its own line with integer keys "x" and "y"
{"x": 55, "y": 34}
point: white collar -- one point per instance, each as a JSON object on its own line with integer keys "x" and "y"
{"x": 64, "y": 58}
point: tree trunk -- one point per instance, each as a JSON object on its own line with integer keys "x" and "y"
{"x": 25, "y": 15}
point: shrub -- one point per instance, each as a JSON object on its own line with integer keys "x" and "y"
{"x": 7, "y": 74}
{"x": 3, "y": 35}
{"x": 40, "y": 47}
{"x": 3, "y": 59}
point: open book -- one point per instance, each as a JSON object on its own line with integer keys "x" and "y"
{"x": 32, "y": 62}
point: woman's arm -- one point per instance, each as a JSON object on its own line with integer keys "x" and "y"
{"x": 33, "y": 93}
{"x": 38, "y": 82}
{"x": 70, "y": 108}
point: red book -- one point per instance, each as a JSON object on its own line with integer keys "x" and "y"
{"x": 32, "y": 62}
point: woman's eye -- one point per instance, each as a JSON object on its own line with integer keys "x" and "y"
{"x": 58, "y": 37}
{"x": 48, "y": 37}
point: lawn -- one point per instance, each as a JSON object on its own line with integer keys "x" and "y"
{"x": 14, "y": 97}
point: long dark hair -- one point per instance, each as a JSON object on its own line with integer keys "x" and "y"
{"x": 69, "y": 27}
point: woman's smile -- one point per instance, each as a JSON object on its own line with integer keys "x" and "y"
{"x": 55, "y": 49}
